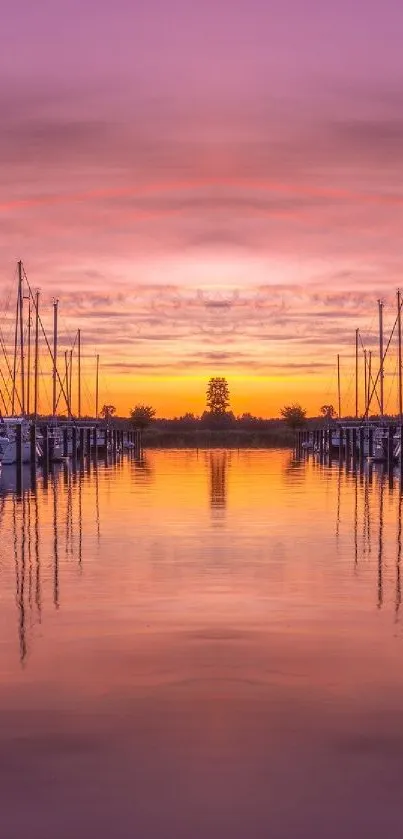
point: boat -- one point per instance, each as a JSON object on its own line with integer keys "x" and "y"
{"x": 8, "y": 441}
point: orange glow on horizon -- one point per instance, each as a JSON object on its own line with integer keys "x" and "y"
{"x": 262, "y": 396}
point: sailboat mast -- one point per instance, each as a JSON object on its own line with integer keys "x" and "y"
{"x": 70, "y": 382}
{"x": 381, "y": 373}
{"x": 97, "y": 390}
{"x": 357, "y": 332}
{"x": 369, "y": 378}
{"x": 365, "y": 382}
{"x": 36, "y": 361}
{"x": 15, "y": 354}
{"x": 67, "y": 376}
{"x": 79, "y": 372}
{"x": 21, "y": 322}
{"x": 54, "y": 377}
{"x": 29, "y": 359}
{"x": 338, "y": 385}
{"x": 399, "y": 336}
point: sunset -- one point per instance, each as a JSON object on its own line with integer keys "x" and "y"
{"x": 201, "y": 419}
{"x": 207, "y": 191}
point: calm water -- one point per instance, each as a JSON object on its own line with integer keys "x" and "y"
{"x": 201, "y": 645}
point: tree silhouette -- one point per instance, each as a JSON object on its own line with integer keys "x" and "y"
{"x": 294, "y": 415}
{"x": 107, "y": 411}
{"x": 142, "y": 416}
{"x": 328, "y": 411}
{"x": 217, "y": 396}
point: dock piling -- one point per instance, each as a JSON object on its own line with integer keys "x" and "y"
{"x": 19, "y": 458}
{"x": 65, "y": 442}
{"x": 32, "y": 439}
{"x": 45, "y": 453}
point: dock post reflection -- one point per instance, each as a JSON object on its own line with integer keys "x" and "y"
{"x": 329, "y": 448}
{"x": 380, "y": 542}
{"x": 65, "y": 442}
{"x": 82, "y": 445}
{"x": 80, "y": 520}
{"x": 38, "y": 592}
{"x": 55, "y": 544}
{"x": 355, "y": 518}
{"x": 69, "y": 512}
{"x": 97, "y": 514}
{"x": 30, "y": 570}
{"x": 74, "y": 444}
{"x": 339, "y": 471}
{"x": 33, "y": 455}
{"x": 354, "y": 448}
{"x": 19, "y": 460}
{"x": 341, "y": 447}
{"x": 19, "y": 562}
{"x": 347, "y": 448}
{"x": 361, "y": 448}
{"x": 398, "y": 597}
{"x": 366, "y": 519}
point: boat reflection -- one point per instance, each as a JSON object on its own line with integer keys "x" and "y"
{"x": 50, "y": 503}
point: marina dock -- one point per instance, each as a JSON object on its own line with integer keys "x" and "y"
{"x": 36, "y": 444}
{"x": 356, "y": 443}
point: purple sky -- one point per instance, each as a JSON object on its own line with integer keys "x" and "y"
{"x": 170, "y": 162}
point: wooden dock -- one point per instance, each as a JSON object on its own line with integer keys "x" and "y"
{"x": 356, "y": 443}
{"x": 44, "y": 444}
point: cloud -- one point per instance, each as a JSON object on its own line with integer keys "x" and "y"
{"x": 188, "y": 243}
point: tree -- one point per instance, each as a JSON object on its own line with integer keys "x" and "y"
{"x": 328, "y": 411}
{"x": 294, "y": 415}
{"x": 217, "y": 396}
{"x": 142, "y": 416}
{"x": 107, "y": 411}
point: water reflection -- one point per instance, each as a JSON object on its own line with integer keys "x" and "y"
{"x": 63, "y": 517}
{"x": 368, "y": 485}
{"x": 218, "y": 479}
{"x": 172, "y": 651}
{"x": 142, "y": 471}
{"x": 380, "y": 545}
{"x": 56, "y": 521}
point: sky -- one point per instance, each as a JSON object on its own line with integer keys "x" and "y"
{"x": 210, "y": 189}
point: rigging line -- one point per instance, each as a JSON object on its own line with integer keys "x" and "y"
{"x": 65, "y": 380}
{"x": 43, "y": 377}
{"x": 44, "y": 334}
{"x": 66, "y": 331}
{"x": 330, "y": 379}
{"x": 369, "y": 330}
{"x": 4, "y": 402}
{"x": 10, "y": 293}
{"x": 10, "y": 372}
{"x": 347, "y": 393}
{"x": 6, "y": 386}
{"x": 383, "y": 359}
{"x": 372, "y": 380}
{"x": 391, "y": 385}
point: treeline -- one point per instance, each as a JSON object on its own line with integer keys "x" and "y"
{"x": 218, "y": 430}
